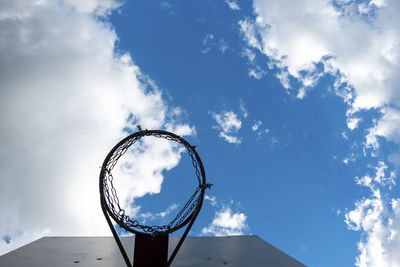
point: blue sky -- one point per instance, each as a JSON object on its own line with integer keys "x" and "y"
{"x": 294, "y": 108}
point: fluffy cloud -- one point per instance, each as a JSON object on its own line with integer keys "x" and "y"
{"x": 352, "y": 122}
{"x": 387, "y": 127}
{"x": 66, "y": 97}
{"x": 139, "y": 170}
{"x": 228, "y": 124}
{"x": 357, "y": 43}
{"x": 379, "y": 219}
{"x": 226, "y": 222}
{"x": 359, "y": 51}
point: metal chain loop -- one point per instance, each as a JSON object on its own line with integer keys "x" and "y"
{"x": 110, "y": 193}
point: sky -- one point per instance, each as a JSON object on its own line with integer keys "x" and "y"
{"x": 294, "y": 108}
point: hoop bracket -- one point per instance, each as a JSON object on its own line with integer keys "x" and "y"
{"x": 150, "y": 250}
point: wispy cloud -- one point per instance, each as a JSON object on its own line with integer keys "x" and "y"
{"x": 254, "y": 70}
{"x": 243, "y": 109}
{"x": 379, "y": 220}
{"x": 168, "y": 7}
{"x": 228, "y": 124}
{"x": 256, "y": 125}
{"x": 232, "y": 4}
{"x": 209, "y": 42}
{"x": 356, "y": 43}
{"x": 212, "y": 200}
{"x": 223, "y": 45}
{"x": 155, "y": 216}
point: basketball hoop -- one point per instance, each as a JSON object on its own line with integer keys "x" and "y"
{"x": 151, "y": 242}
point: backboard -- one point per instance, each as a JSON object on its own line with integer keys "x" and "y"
{"x": 245, "y": 250}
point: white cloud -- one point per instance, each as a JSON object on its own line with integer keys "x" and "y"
{"x": 250, "y": 34}
{"x": 283, "y": 76}
{"x": 223, "y": 45}
{"x": 251, "y": 56}
{"x": 298, "y": 35}
{"x": 380, "y": 178}
{"x": 20, "y": 240}
{"x": 359, "y": 45}
{"x": 66, "y": 97}
{"x": 228, "y": 124}
{"x": 257, "y": 72}
{"x": 350, "y": 158}
{"x": 230, "y": 138}
{"x": 225, "y": 223}
{"x": 394, "y": 159}
{"x": 228, "y": 121}
{"x": 379, "y": 219}
{"x": 256, "y": 125}
{"x": 168, "y": 7}
{"x": 139, "y": 171}
{"x": 232, "y": 4}
{"x": 213, "y": 200}
{"x": 209, "y": 42}
{"x": 243, "y": 109}
{"x": 155, "y": 216}
{"x": 97, "y": 7}
{"x": 352, "y": 123}
{"x": 345, "y": 136}
{"x": 388, "y": 127}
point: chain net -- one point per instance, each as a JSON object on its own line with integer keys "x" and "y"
{"x": 112, "y": 201}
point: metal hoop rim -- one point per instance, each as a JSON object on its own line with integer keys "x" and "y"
{"x": 140, "y": 134}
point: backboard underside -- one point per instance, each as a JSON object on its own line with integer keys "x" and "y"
{"x": 102, "y": 251}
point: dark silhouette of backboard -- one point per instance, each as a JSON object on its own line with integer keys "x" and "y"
{"x": 232, "y": 251}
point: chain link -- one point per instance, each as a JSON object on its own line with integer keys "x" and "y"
{"x": 112, "y": 201}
